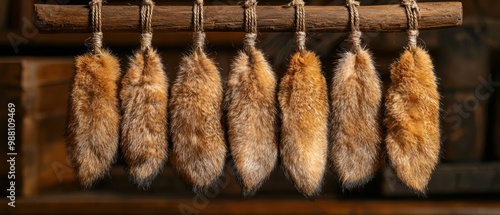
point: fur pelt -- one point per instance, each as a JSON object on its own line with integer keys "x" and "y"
{"x": 412, "y": 119}
{"x": 94, "y": 117}
{"x": 144, "y": 97}
{"x": 355, "y": 127}
{"x": 196, "y": 105}
{"x": 303, "y": 101}
{"x": 252, "y": 120}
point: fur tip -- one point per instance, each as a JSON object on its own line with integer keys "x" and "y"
{"x": 252, "y": 119}
{"x": 303, "y": 101}
{"x": 196, "y": 105}
{"x": 412, "y": 119}
{"x": 356, "y": 96}
{"x": 93, "y": 121}
{"x": 144, "y": 97}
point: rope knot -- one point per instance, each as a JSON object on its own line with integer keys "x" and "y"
{"x": 148, "y": 3}
{"x": 199, "y": 2}
{"x": 249, "y": 3}
{"x": 355, "y": 37}
{"x": 412, "y": 7}
{"x": 352, "y": 3}
{"x": 199, "y": 40}
{"x": 96, "y": 42}
{"x": 300, "y": 40}
{"x": 296, "y": 3}
{"x": 410, "y": 3}
{"x": 249, "y": 42}
{"x": 146, "y": 40}
{"x": 412, "y": 37}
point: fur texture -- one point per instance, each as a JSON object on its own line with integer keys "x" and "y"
{"x": 93, "y": 121}
{"x": 303, "y": 101}
{"x": 251, "y": 115}
{"x": 199, "y": 148}
{"x": 412, "y": 119}
{"x": 144, "y": 97}
{"x": 355, "y": 127}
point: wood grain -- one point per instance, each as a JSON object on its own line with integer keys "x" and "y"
{"x": 466, "y": 95}
{"x": 466, "y": 178}
{"x": 379, "y": 18}
{"x": 39, "y": 88}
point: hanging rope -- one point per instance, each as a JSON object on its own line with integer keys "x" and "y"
{"x": 355, "y": 34}
{"x": 413, "y": 14}
{"x": 96, "y": 41}
{"x": 199, "y": 35}
{"x": 146, "y": 19}
{"x": 250, "y": 25}
{"x": 300, "y": 20}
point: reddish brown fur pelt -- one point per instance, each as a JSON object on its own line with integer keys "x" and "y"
{"x": 355, "y": 123}
{"x": 94, "y": 117}
{"x": 252, "y": 119}
{"x": 196, "y": 104}
{"x": 303, "y": 101}
{"x": 144, "y": 97}
{"x": 412, "y": 119}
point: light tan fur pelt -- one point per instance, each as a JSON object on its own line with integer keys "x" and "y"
{"x": 303, "y": 101}
{"x": 412, "y": 119}
{"x": 94, "y": 117}
{"x": 144, "y": 97}
{"x": 252, "y": 120}
{"x": 196, "y": 105}
{"x": 356, "y": 96}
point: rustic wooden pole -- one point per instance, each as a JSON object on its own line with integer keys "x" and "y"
{"x": 380, "y": 18}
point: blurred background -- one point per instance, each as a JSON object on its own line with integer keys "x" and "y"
{"x": 36, "y": 72}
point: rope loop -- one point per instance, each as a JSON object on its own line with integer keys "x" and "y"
{"x": 199, "y": 35}
{"x": 300, "y": 20}
{"x": 146, "y": 20}
{"x": 95, "y": 13}
{"x": 250, "y": 25}
{"x": 355, "y": 33}
{"x": 413, "y": 14}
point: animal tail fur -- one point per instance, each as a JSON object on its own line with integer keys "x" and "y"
{"x": 252, "y": 119}
{"x": 355, "y": 127}
{"x": 196, "y": 105}
{"x": 144, "y": 97}
{"x": 303, "y": 101}
{"x": 412, "y": 119}
{"x": 93, "y": 121}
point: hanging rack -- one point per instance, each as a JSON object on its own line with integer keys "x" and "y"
{"x": 376, "y": 18}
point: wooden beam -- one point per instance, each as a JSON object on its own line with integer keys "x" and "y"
{"x": 378, "y": 18}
